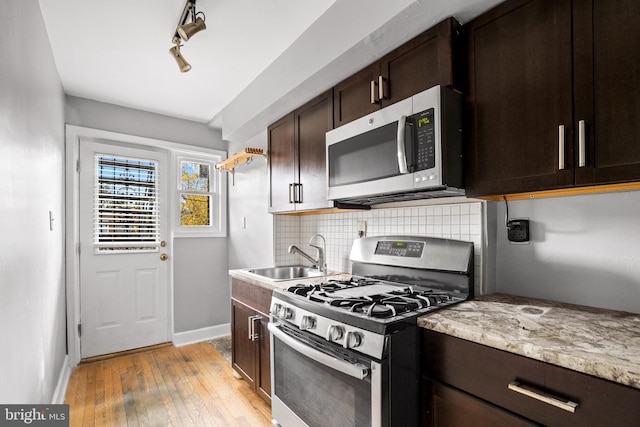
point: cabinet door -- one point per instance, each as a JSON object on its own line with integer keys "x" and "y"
{"x": 453, "y": 408}
{"x": 243, "y": 349}
{"x": 353, "y": 97}
{"x": 519, "y": 93}
{"x": 282, "y": 170}
{"x": 420, "y": 64}
{"x": 264, "y": 360}
{"x": 313, "y": 120}
{"x": 607, "y": 89}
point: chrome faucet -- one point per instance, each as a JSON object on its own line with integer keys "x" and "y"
{"x": 320, "y": 263}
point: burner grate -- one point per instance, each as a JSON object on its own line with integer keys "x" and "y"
{"x": 371, "y": 298}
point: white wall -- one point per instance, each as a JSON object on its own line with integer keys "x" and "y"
{"x": 32, "y": 293}
{"x": 251, "y": 239}
{"x": 584, "y": 250}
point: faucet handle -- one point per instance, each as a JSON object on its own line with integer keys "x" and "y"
{"x": 317, "y": 235}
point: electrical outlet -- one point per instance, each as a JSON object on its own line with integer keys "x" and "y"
{"x": 518, "y": 230}
{"x": 362, "y": 228}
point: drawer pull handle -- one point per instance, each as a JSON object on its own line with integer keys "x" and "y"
{"x": 542, "y": 396}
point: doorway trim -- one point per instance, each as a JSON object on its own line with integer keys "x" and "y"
{"x": 73, "y": 134}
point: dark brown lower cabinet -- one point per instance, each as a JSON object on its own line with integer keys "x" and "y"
{"x": 250, "y": 335}
{"x": 450, "y": 407}
{"x": 467, "y": 384}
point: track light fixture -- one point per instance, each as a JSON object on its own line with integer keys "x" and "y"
{"x": 182, "y": 63}
{"x": 185, "y": 30}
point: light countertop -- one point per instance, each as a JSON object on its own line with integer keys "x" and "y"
{"x": 599, "y": 342}
{"x": 265, "y": 282}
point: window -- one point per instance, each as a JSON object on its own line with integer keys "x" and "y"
{"x": 200, "y": 198}
{"x": 125, "y": 205}
{"x": 195, "y": 194}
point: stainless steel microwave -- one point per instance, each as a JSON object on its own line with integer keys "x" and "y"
{"x": 409, "y": 150}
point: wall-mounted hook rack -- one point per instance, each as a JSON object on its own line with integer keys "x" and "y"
{"x": 244, "y": 156}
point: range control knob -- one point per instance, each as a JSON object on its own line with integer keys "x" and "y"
{"x": 308, "y": 322}
{"x": 285, "y": 313}
{"x": 353, "y": 339}
{"x": 335, "y": 333}
{"x": 275, "y": 309}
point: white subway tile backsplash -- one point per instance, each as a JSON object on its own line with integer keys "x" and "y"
{"x": 455, "y": 221}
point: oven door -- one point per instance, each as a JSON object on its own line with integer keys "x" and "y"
{"x": 314, "y": 383}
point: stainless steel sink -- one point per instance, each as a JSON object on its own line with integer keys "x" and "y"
{"x": 287, "y": 272}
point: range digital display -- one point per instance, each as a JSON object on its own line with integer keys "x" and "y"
{"x": 400, "y": 248}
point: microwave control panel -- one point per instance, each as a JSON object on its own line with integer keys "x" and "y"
{"x": 425, "y": 139}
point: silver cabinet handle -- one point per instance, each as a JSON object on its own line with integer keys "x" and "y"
{"x": 373, "y": 92}
{"x": 381, "y": 87}
{"x": 291, "y": 195}
{"x": 402, "y": 156}
{"x": 582, "y": 157}
{"x": 355, "y": 370}
{"x": 561, "y": 163}
{"x": 542, "y": 396}
{"x": 253, "y": 335}
{"x": 299, "y": 200}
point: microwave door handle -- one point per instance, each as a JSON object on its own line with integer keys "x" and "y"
{"x": 353, "y": 370}
{"x": 402, "y": 156}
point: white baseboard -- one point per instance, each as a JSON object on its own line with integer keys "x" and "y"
{"x": 204, "y": 334}
{"x": 63, "y": 381}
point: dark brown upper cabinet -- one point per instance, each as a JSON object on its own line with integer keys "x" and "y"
{"x": 423, "y": 62}
{"x": 607, "y": 89}
{"x": 553, "y": 96}
{"x": 297, "y": 159}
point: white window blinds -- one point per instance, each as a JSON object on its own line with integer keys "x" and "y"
{"x": 126, "y": 205}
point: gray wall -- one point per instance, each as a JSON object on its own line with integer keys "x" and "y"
{"x": 584, "y": 250}
{"x": 200, "y": 268}
{"x": 32, "y": 293}
{"x": 201, "y": 294}
{"x": 251, "y": 246}
{"x": 114, "y": 118}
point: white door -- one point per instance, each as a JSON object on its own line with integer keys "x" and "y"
{"x": 124, "y": 284}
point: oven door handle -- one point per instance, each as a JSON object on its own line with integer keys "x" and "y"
{"x": 353, "y": 370}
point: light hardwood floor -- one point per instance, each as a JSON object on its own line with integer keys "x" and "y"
{"x": 186, "y": 386}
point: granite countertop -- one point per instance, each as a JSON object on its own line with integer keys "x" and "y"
{"x": 599, "y": 342}
{"x": 265, "y": 282}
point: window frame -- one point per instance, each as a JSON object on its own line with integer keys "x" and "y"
{"x": 217, "y": 191}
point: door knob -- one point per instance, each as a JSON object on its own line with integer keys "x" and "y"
{"x": 164, "y": 257}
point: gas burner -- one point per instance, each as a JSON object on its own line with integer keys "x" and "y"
{"x": 370, "y": 297}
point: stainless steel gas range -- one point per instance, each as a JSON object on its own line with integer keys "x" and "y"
{"x": 346, "y": 353}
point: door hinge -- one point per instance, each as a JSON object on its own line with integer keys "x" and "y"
{"x": 77, "y": 165}
{"x": 79, "y": 329}
{"x": 78, "y": 248}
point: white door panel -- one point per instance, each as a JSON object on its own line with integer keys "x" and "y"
{"x": 123, "y": 281}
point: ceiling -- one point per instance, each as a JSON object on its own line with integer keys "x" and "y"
{"x": 252, "y": 56}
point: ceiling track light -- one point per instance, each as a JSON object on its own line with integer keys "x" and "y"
{"x": 185, "y": 30}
